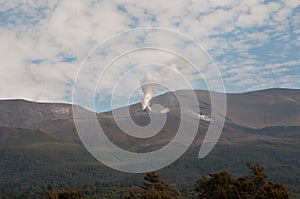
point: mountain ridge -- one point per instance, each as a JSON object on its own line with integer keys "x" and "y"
{"x": 39, "y": 143}
{"x": 271, "y": 107}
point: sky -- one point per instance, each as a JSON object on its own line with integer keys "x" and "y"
{"x": 44, "y": 44}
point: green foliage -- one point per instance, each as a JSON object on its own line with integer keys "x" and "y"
{"x": 215, "y": 186}
{"x": 254, "y": 186}
{"x": 131, "y": 194}
{"x": 69, "y": 165}
{"x": 219, "y": 185}
{"x": 65, "y": 194}
{"x": 155, "y": 188}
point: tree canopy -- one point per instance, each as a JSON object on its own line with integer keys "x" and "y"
{"x": 254, "y": 186}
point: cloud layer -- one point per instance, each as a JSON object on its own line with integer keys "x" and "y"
{"x": 255, "y": 43}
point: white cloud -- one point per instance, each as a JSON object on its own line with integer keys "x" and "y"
{"x": 232, "y": 31}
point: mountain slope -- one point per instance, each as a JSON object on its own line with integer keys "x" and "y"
{"x": 258, "y": 109}
{"x": 39, "y": 143}
{"x": 273, "y": 107}
{"x": 24, "y": 114}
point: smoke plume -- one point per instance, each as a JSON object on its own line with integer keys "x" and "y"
{"x": 200, "y": 116}
{"x": 150, "y": 83}
{"x": 165, "y": 110}
{"x": 203, "y": 117}
{"x": 149, "y": 87}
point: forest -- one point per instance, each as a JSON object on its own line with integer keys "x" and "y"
{"x": 216, "y": 185}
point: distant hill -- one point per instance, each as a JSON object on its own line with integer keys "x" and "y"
{"x": 21, "y": 113}
{"x": 259, "y": 109}
{"x": 39, "y": 144}
{"x": 273, "y": 107}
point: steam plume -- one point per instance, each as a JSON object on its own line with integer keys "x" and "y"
{"x": 149, "y": 88}
{"x": 204, "y": 117}
{"x": 200, "y": 116}
{"x": 165, "y": 110}
{"x": 149, "y": 83}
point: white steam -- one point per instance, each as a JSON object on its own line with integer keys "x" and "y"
{"x": 149, "y": 87}
{"x": 164, "y": 76}
{"x": 165, "y": 110}
{"x": 200, "y": 116}
{"x": 146, "y": 100}
{"x": 204, "y": 117}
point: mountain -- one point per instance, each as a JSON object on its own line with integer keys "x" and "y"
{"x": 39, "y": 144}
{"x": 273, "y": 107}
{"x": 21, "y": 113}
{"x": 11, "y": 137}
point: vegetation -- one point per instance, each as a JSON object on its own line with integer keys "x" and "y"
{"x": 223, "y": 185}
{"x": 69, "y": 167}
{"x": 216, "y": 185}
{"x": 65, "y": 194}
{"x": 153, "y": 187}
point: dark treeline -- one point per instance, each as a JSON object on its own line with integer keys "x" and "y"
{"x": 217, "y": 185}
